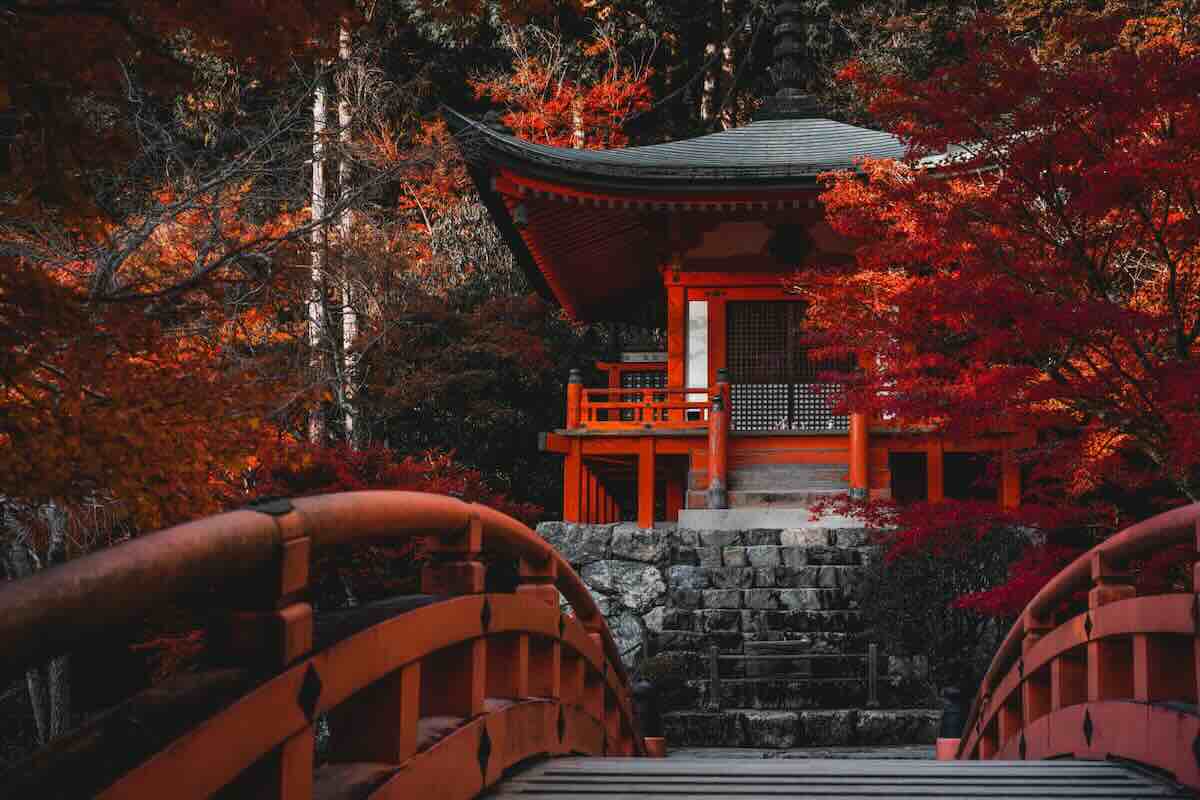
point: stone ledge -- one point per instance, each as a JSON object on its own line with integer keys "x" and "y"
{"x": 805, "y": 728}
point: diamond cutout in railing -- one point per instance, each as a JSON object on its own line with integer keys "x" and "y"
{"x": 485, "y": 616}
{"x": 562, "y": 724}
{"x": 310, "y": 692}
{"x": 1087, "y": 625}
{"x": 1088, "y": 728}
{"x": 1021, "y": 747}
{"x": 485, "y": 752}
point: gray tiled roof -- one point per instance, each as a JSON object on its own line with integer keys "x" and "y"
{"x": 766, "y": 149}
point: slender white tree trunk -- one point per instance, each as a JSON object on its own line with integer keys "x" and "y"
{"x": 708, "y": 94}
{"x": 728, "y": 67}
{"x": 578, "y": 135}
{"x": 345, "y": 231}
{"x": 316, "y": 300}
{"x": 20, "y": 562}
{"x": 58, "y": 671}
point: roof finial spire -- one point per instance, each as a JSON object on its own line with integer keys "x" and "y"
{"x": 792, "y": 61}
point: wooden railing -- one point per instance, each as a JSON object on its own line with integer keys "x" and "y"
{"x": 799, "y": 667}
{"x": 436, "y": 700}
{"x": 603, "y": 409}
{"x": 1112, "y": 677}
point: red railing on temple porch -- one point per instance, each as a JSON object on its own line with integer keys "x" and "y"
{"x": 638, "y": 428}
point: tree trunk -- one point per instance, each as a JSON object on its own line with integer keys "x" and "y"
{"x": 708, "y": 94}
{"x": 345, "y": 230}
{"x": 728, "y": 112}
{"x": 58, "y": 672}
{"x": 316, "y": 300}
{"x": 20, "y": 562}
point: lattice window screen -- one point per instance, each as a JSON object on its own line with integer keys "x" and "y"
{"x": 644, "y": 379}
{"x": 640, "y": 379}
{"x": 771, "y": 373}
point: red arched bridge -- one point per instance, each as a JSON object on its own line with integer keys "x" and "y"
{"x": 461, "y": 691}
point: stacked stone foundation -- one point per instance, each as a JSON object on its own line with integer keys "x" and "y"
{"x": 686, "y": 592}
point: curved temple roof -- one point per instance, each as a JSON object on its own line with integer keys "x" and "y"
{"x": 767, "y": 150}
{"x": 592, "y": 226}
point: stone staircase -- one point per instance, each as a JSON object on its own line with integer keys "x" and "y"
{"x": 773, "y": 485}
{"x": 791, "y": 592}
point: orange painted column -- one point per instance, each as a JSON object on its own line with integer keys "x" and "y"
{"x": 593, "y": 497}
{"x": 718, "y": 444}
{"x": 645, "y": 503}
{"x": 717, "y": 357}
{"x": 676, "y": 335}
{"x": 574, "y": 398}
{"x": 674, "y": 500}
{"x": 859, "y": 449}
{"x": 935, "y": 475}
{"x": 572, "y": 482}
{"x": 1010, "y": 479}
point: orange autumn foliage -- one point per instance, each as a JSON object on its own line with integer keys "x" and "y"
{"x": 115, "y": 401}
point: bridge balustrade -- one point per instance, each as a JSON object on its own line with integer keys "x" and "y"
{"x": 436, "y": 695}
{"x": 1106, "y": 674}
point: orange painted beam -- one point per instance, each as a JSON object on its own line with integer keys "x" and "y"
{"x": 516, "y": 185}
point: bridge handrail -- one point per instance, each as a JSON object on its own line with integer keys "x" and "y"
{"x": 1099, "y": 570}
{"x": 53, "y": 611}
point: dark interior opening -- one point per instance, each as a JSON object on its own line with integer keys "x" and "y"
{"x": 968, "y": 477}
{"x": 909, "y": 472}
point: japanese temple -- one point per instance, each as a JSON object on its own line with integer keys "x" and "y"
{"x": 734, "y": 414}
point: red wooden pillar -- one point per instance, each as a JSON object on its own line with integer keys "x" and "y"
{"x": 859, "y": 450}
{"x": 718, "y": 444}
{"x": 1010, "y": 479}
{"x": 593, "y": 497}
{"x": 674, "y": 500}
{"x": 574, "y": 398}
{"x": 676, "y": 335}
{"x": 645, "y": 503}
{"x": 717, "y": 356}
{"x": 935, "y": 474}
{"x": 1109, "y": 660}
{"x": 573, "y": 482}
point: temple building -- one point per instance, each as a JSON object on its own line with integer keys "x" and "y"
{"x": 733, "y": 421}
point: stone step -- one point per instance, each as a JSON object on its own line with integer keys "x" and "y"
{"x": 780, "y": 477}
{"x": 740, "y": 519}
{"x": 778, "y": 729}
{"x": 812, "y": 536}
{"x": 767, "y": 498}
{"x": 764, "y": 625}
{"x": 784, "y": 694}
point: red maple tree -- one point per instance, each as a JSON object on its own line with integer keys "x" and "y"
{"x": 1047, "y": 273}
{"x": 1035, "y": 264}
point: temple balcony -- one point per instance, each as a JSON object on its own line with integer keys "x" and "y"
{"x": 700, "y": 455}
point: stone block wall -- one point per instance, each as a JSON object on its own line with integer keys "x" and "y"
{"x": 691, "y": 589}
{"x": 626, "y": 569}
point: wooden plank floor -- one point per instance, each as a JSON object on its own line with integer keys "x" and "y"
{"x": 844, "y": 779}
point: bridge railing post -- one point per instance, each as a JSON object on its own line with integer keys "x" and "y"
{"x": 272, "y": 630}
